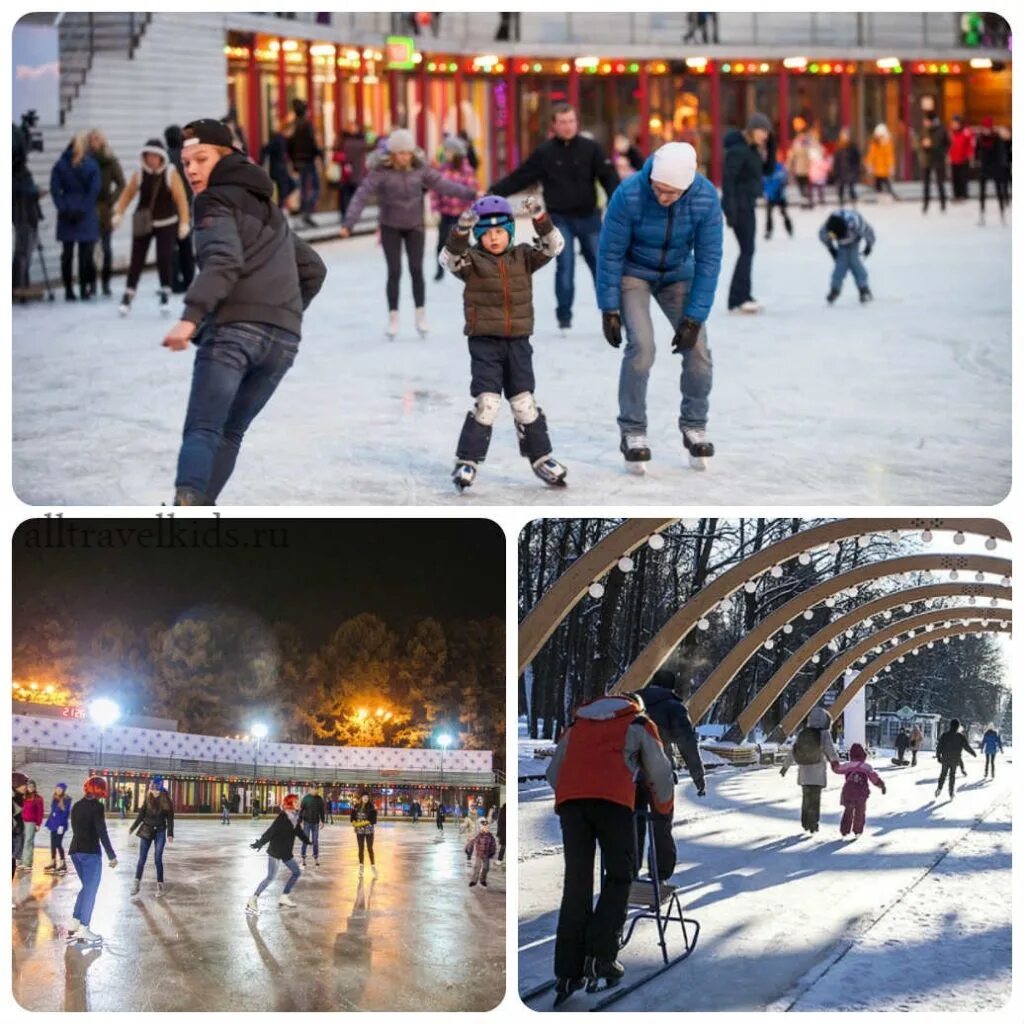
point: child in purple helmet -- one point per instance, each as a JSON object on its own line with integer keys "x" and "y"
{"x": 498, "y": 303}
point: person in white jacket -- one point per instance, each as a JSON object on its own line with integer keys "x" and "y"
{"x": 813, "y": 751}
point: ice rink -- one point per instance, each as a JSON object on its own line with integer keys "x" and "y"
{"x": 913, "y": 913}
{"x": 903, "y": 401}
{"x": 415, "y": 938}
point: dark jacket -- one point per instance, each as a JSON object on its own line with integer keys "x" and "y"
{"x": 353, "y": 145}
{"x": 74, "y": 191}
{"x": 363, "y": 818}
{"x": 992, "y": 154}
{"x": 846, "y": 164}
{"x": 302, "y": 145}
{"x": 951, "y": 747}
{"x": 252, "y": 269}
{"x": 155, "y": 815}
{"x": 89, "y": 826}
{"x": 991, "y": 741}
{"x": 498, "y": 300}
{"x": 902, "y": 742}
{"x": 274, "y": 156}
{"x": 281, "y": 837}
{"x": 933, "y": 154}
{"x": 568, "y": 172}
{"x": 111, "y": 186}
{"x": 741, "y": 178}
{"x": 312, "y": 809}
{"x": 668, "y": 712}
{"x": 500, "y": 828}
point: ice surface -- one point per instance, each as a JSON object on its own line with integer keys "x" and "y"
{"x": 416, "y": 938}
{"x": 903, "y": 401}
{"x": 777, "y": 908}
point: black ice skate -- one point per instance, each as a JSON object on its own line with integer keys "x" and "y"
{"x": 865, "y": 294}
{"x": 165, "y": 298}
{"x": 565, "y": 987}
{"x": 190, "y": 496}
{"x": 636, "y": 452}
{"x": 602, "y": 974}
{"x": 126, "y": 303}
{"x": 463, "y": 475}
{"x": 833, "y": 294}
{"x": 699, "y": 447}
{"x": 550, "y": 470}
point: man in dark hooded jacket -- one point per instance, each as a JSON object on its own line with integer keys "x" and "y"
{"x": 665, "y": 708}
{"x": 244, "y": 308}
{"x": 742, "y": 184}
{"x": 949, "y": 751}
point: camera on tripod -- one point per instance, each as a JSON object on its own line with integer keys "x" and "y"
{"x": 32, "y": 134}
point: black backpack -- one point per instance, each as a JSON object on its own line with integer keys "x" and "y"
{"x": 807, "y": 749}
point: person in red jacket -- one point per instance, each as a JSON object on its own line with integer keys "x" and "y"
{"x": 856, "y": 791}
{"x": 33, "y": 814}
{"x": 961, "y": 152}
{"x": 610, "y": 747}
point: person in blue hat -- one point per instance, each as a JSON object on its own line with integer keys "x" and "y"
{"x": 57, "y": 823}
{"x": 154, "y": 826}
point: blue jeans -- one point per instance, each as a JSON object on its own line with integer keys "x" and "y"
{"x": 309, "y": 186}
{"x": 272, "y": 865}
{"x": 638, "y": 358}
{"x": 89, "y": 868}
{"x": 237, "y": 369}
{"x": 159, "y": 841}
{"x": 225, "y": 816}
{"x": 588, "y": 231}
{"x": 848, "y": 259}
{"x": 313, "y": 831}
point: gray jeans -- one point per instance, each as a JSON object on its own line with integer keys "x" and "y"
{"x": 638, "y": 358}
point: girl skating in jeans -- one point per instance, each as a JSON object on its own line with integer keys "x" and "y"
{"x": 90, "y": 833}
{"x": 155, "y": 825}
{"x": 363, "y": 818}
{"x": 280, "y": 842}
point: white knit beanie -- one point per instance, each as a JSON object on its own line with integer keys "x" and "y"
{"x": 401, "y": 141}
{"x": 675, "y": 165}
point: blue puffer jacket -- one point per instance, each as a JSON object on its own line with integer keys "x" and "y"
{"x": 641, "y": 238}
{"x": 74, "y": 191}
{"x": 991, "y": 742}
{"x": 59, "y": 814}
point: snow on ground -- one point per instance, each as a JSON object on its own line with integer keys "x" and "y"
{"x": 777, "y": 907}
{"x": 415, "y": 938}
{"x": 904, "y": 401}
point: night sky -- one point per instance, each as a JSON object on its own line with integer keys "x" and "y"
{"x": 312, "y": 573}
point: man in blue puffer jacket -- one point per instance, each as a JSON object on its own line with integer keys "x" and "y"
{"x": 661, "y": 238}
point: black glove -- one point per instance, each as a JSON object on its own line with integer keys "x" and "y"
{"x": 867, "y": 251}
{"x": 611, "y": 324}
{"x": 686, "y": 335}
{"x": 255, "y": 845}
{"x": 833, "y": 251}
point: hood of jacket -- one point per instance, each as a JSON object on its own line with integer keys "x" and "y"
{"x": 148, "y": 150}
{"x": 238, "y": 170}
{"x": 734, "y": 137}
{"x": 606, "y": 708}
{"x": 381, "y": 159}
{"x": 819, "y": 718}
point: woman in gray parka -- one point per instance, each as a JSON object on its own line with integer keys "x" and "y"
{"x": 399, "y": 181}
{"x": 812, "y": 752}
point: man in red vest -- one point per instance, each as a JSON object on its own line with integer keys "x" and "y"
{"x": 609, "y": 748}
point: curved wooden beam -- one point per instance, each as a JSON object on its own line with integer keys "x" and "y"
{"x": 848, "y": 658}
{"x": 665, "y": 641}
{"x": 734, "y": 661}
{"x": 567, "y": 591}
{"x": 771, "y": 691}
{"x": 888, "y": 657}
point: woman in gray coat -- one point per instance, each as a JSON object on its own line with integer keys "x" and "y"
{"x": 399, "y": 181}
{"x": 813, "y": 773}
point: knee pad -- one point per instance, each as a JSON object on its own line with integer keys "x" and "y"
{"x": 487, "y": 407}
{"x": 524, "y": 408}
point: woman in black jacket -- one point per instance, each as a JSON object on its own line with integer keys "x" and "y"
{"x": 363, "y": 818}
{"x": 155, "y": 825}
{"x": 280, "y": 842}
{"x": 741, "y": 186}
{"x": 89, "y": 833}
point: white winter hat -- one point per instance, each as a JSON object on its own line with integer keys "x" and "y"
{"x": 675, "y": 165}
{"x": 881, "y": 131}
{"x": 401, "y": 141}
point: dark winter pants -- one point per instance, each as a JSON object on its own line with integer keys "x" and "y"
{"x": 157, "y": 842}
{"x": 365, "y": 842}
{"x": 810, "y": 809}
{"x": 913, "y": 757}
{"x": 744, "y": 228}
{"x": 89, "y": 868}
{"x": 664, "y": 844}
{"x": 783, "y": 207}
{"x": 86, "y": 265}
{"x": 446, "y": 223}
{"x": 803, "y": 183}
{"x": 848, "y": 186}
{"x": 588, "y": 231}
{"x": 166, "y": 239}
{"x": 939, "y": 173}
{"x": 184, "y": 266}
{"x": 57, "y": 841}
{"x": 960, "y": 174}
{"x": 1000, "y": 184}
{"x": 391, "y": 240}
{"x": 107, "y": 251}
{"x": 26, "y": 238}
{"x": 309, "y": 184}
{"x": 583, "y": 929}
{"x": 853, "y": 817}
{"x": 237, "y": 368}
{"x": 990, "y": 764}
{"x": 884, "y": 185}
{"x": 480, "y": 868}
{"x": 312, "y": 829}
{"x": 948, "y": 770}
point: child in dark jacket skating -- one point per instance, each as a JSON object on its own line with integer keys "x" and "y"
{"x": 498, "y": 303}
{"x": 482, "y": 848}
{"x": 842, "y": 234}
{"x": 57, "y": 823}
{"x": 856, "y": 791}
{"x": 280, "y": 842}
{"x": 775, "y": 198}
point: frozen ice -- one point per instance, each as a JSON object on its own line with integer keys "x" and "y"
{"x": 902, "y": 401}
{"x": 415, "y": 938}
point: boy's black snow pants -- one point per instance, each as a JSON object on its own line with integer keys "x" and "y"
{"x": 810, "y": 810}
{"x": 950, "y": 771}
{"x": 585, "y": 930}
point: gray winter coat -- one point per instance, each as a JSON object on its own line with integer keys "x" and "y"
{"x": 815, "y": 774}
{"x": 400, "y": 193}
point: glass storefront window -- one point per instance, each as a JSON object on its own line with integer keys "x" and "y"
{"x": 680, "y": 111}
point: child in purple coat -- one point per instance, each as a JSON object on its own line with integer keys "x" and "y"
{"x": 856, "y": 791}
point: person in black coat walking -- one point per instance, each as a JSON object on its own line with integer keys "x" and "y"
{"x": 364, "y": 819}
{"x": 568, "y": 166}
{"x": 934, "y": 149}
{"x": 741, "y": 185}
{"x": 949, "y": 751}
{"x": 280, "y": 842}
{"x": 312, "y": 814}
{"x": 902, "y": 742}
{"x": 992, "y": 153}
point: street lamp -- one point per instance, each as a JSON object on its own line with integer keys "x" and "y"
{"x": 258, "y": 733}
{"x": 104, "y": 712}
{"x": 444, "y": 741}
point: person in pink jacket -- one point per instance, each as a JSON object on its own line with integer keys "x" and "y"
{"x": 456, "y": 167}
{"x": 856, "y": 791}
{"x": 32, "y": 814}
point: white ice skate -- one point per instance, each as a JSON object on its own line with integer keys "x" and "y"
{"x": 88, "y": 938}
{"x": 136, "y": 885}
{"x": 463, "y": 475}
{"x": 421, "y": 322}
{"x": 360, "y": 870}
{"x": 160, "y": 890}
{"x": 636, "y": 451}
{"x": 392, "y": 328}
{"x": 551, "y": 471}
{"x": 373, "y": 870}
{"x": 286, "y": 901}
{"x": 72, "y": 933}
{"x": 750, "y": 306}
{"x": 699, "y": 448}
{"x": 126, "y": 303}
{"x": 252, "y": 906}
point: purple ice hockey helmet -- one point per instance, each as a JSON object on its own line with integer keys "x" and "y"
{"x": 493, "y": 212}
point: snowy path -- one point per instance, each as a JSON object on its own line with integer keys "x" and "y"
{"x": 776, "y": 907}
{"x": 904, "y": 401}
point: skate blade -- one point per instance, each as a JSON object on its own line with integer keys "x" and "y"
{"x": 699, "y": 463}
{"x": 636, "y": 468}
